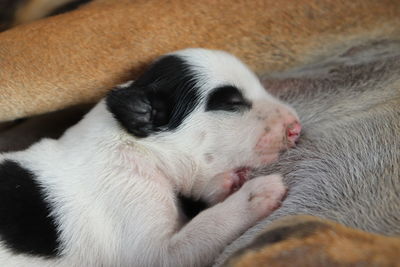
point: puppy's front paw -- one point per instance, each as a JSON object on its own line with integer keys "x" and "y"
{"x": 226, "y": 183}
{"x": 263, "y": 195}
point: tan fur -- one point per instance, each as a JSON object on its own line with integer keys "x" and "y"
{"x": 31, "y": 10}
{"x": 316, "y": 242}
{"x": 76, "y": 57}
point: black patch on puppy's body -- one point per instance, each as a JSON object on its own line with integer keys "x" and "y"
{"x": 25, "y": 222}
{"x": 227, "y": 98}
{"x": 159, "y": 100}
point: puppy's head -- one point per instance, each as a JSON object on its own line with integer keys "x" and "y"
{"x": 207, "y": 113}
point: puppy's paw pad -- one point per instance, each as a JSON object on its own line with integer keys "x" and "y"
{"x": 228, "y": 182}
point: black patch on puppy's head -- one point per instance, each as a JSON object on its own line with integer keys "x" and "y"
{"x": 159, "y": 100}
{"x": 227, "y": 98}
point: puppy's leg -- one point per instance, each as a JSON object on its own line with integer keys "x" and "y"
{"x": 203, "y": 238}
{"x": 224, "y": 184}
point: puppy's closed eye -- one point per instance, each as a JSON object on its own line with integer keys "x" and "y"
{"x": 227, "y": 98}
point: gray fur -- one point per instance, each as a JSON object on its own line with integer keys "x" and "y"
{"x": 346, "y": 166}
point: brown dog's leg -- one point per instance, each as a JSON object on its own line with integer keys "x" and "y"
{"x": 312, "y": 242}
{"x": 77, "y": 56}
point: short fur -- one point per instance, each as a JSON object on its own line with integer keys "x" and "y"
{"x": 106, "y": 42}
{"x": 346, "y": 165}
{"x": 25, "y": 221}
{"x": 307, "y": 241}
{"x": 111, "y": 182}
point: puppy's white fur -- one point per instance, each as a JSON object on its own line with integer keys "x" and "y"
{"x": 114, "y": 195}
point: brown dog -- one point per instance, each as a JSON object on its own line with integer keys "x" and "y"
{"x": 75, "y": 57}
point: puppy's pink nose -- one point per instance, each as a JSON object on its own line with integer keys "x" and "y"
{"x": 293, "y": 132}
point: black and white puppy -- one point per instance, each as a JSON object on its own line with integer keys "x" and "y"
{"x": 105, "y": 193}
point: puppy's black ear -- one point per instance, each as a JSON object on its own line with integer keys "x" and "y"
{"x": 159, "y": 100}
{"x": 132, "y": 108}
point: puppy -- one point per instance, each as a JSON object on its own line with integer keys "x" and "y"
{"x": 105, "y": 193}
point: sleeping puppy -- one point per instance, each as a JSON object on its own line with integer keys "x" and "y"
{"x": 105, "y": 193}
